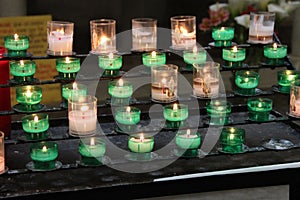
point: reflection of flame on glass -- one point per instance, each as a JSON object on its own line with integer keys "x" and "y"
{"x": 68, "y": 60}
{"x": 110, "y": 55}
{"x": 128, "y": 109}
{"x": 121, "y": 82}
{"x": 16, "y": 37}
{"x": 21, "y": 62}
{"x": 142, "y": 138}
{"x": 188, "y": 132}
{"x": 183, "y": 30}
{"x": 61, "y": 31}
{"x": 234, "y": 49}
{"x": 153, "y": 54}
{"x": 84, "y": 108}
{"x": 175, "y": 106}
{"x": 36, "y": 119}
{"x": 92, "y": 141}
{"x": 44, "y": 149}
{"x": 103, "y": 40}
{"x": 275, "y": 46}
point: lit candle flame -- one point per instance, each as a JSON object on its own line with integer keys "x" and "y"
{"x": 234, "y": 49}
{"x": 231, "y": 136}
{"x": 183, "y": 30}
{"x": 44, "y": 149}
{"x": 84, "y": 108}
{"x": 275, "y": 46}
{"x": 163, "y": 81}
{"x": 36, "y": 119}
{"x": 21, "y": 62}
{"x": 188, "y": 132}
{"x": 67, "y": 60}
{"x": 232, "y": 130}
{"x": 195, "y": 49}
{"x": 74, "y": 85}
{"x": 246, "y": 80}
{"x": 103, "y": 39}
{"x": 16, "y": 36}
{"x": 128, "y": 109}
{"x": 175, "y": 106}
{"x": 259, "y": 105}
{"x": 121, "y": 82}
{"x": 28, "y": 93}
{"x": 222, "y": 28}
{"x": 142, "y": 138}
{"x": 153, "y": 54}
{"x": 92, "y": 141}
{"x": 61, "y": 31}
{"x": 110, "y": 55}
{"x": 247, "y": 72}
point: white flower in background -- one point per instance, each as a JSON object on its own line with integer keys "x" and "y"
{"x": 243, "y": 20}
{"x": 217, "y": 6}
{"x": 283, "y": 9}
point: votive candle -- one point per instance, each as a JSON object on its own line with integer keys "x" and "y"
{"x": 232, "y": 139}
{"x": 140, "y": 143}
{"x": 259, "y": 108}
{"x": 92, "y": 150}
{"x": 153, "y": 58}
{"x": 233, "y": 56}
{"x": 16, "y": 45}
{"x": 222, "y": 36}
{"x": 284, "y": 79}
{"x": 44, "y": 154}
{"x": 218, "y": 111}
{"x": 246, "y": 81}
{"x": 22, "y": 70}
{"x": 68, "y": 67}
{"x": 275, "y": 53}
{"x": 111, "y": 63}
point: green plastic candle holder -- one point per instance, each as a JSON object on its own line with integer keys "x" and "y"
{"x": 120, "y": 92}
{"x": 35, "y": 126}
{"x": 44, "y": 155}
{"x": 223, "y": 36}
{"x": 111, "y": 63}
{"x": 246, "y": 82}
{"x": 67, "y": 67}
{"x": 187, "y": 143}
{"x": 22, "y": 70}
{"x": 175, "y": 115}
{"x": 92, "y": 150}
{"x": 233, "y": 57}
{"x": 232, "y": 139}
{"x": 72, "y": 90}
{"x": 284, "y": 79}
{"x": 16, "y": 45}
{"x": 194, "y": 56}
{"x": 218, "y": 111}
{"x": 275, "y": 54}
{"x": 127, "y": 118}
{"x": 29, "y": 98}
{"x": 259, "y": 109}
{"x": 153, "y": 58}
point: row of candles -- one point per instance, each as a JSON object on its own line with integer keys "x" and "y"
{"x": 144, "y": 35}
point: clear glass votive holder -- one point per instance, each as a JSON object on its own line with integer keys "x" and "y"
{"x": 103, "y": 36}
{"x": 246, "y": 82}
{"x": 218, "y": 111}
{"x": 232, "y": 139}
{"x": 60, "y": 38}
{"x": 92, "y": 150}
{"x": 144, "y": 34}
{"x": 22, "y": 70}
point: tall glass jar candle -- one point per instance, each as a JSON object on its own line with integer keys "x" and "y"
{"x": 44, "y": 155}
{"x": 175, "y": 115}
{"x": 82, "y": 114}
{"x": 92, "y": 150}
{"x": 246, "y": 82}
{"x": 233, "y": 56}
{"x": 223, "y": 36}
{"x": 183, "y": 32}
{"x": 36, "y": 125}
{"x": 60, "y": 38}
{"x": 103, "y": 36}
{"x": 127, "y": 118}
{"x": 275, "y": 53}
{"x": 22, "y": 70}
{"x": 259, "y": 108}
{"x": 261, "y": 27}
{"x": 111, "y": 63}
{"x": 187, "y": 141}
{"x": 206, "y": 79}
{"x": 16, "y": 45}
{"x": 232, "y": 139}
{"x": 120, "y": 92}
{"x": 295, "y": 98}
{"x": 284, "y": 79}
{"x": 68, "y": 67}
{"x": 29, "y": 97}
{"x": 218, "y": 110}
{"x": 144, "y": 34}
{"x": 73, "y": 90}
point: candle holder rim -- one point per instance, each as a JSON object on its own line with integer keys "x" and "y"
{"x": 25, "y": 61}
{"x": 244, "y": 72}
{"x": 278, "y": 45}
{"x": 86, "y": 99}
{"x": 238, "y": 131}
{"x": 150, "y": 52}
{"x": 62, "y": 59}
{"x": 222, "y": 102}
{"x": 165, "y": 67}
{"x": 26, "y": 87}
{"x": 242, "y": 49}
{"x": 13, "y": 37}
{"x": 224, "y": 27}
{"x": 193, "y": 132}
{"x": 210, "y": 64}
{"x": 48, "y": 144}
{"x": 262, "y": 13}
{"x": 124, "y": 108}
{"x": 138, "y": 135}
{"x": 102, "y": 21}
{"x": 143, "y": 19}
{"x": 40, "y": 115}
{"x": 86, "y": 140}
{"x": 182, "y": 17}
{"x": 57, "y": 22}
{"x": 180, "y": 106}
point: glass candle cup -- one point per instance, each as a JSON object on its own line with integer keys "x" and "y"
{"x": 183, "y": 32}
{"x": 29, "y": 97}
{"x": 194, "y": 56}
{"x": 218, "y": 111}
{"x": 223, "y": 36}
{"x": 187, "y": 142}
{"x": 295, "y": 98}
{"x": 164, "y": 83}
{"x": 127, "y": 118}
{"x": 111, "y": 63}
{"x": 2, "y": 153}
{"x": 82, "y": 114}
{"x": 103, "y": 36}
{"x": 284, "y": 79}
{"x": 36, "y": 126}
{"x": 72, "y": 90}
{"x": 92, "y": 150}
{"x": 144, "y": 34}
{"x": 246, "y": 82}
{"x": 68, "y": 67}
{"x": 206, "y": 79}
{"x": 153, "y": 58}
{"x": 22, "y": 70}
{"x": 175, "y": 114}
{"x": 60, "y": 38}
{"x": 120, "y": 92}
{"x": 233, "y": 56}
{"x": 232, "y": 139}
{"x": 275, "y": 53}
{"x": 16, "y": 45}
{"x": 261, "y": 27}
{"x": 140, "y": 143}
{"x": 44, "y": 155}
{"x": 259, "y": 108}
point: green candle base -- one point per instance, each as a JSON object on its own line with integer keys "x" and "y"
{"x": 67, "y": 76}
{"x": 48, "y": 165}
{"x": 16, "y": 53}
{"x": 219, "y": 120}
{"x": 141, "y": 156}
{"x": 91, "y": 161}
{"x": 231, "y": 64}
{"x": 22, "y": 79}
{"x": 188, "y": 67}
{"x": 175, "y": 124}
{"x": 232, "y": 148}
{"x": 223, "y": 43}
{"x": 246, "y": 92}
{"x": 275, "y": 61}
{"x": 125, "y": 128}
{"x": 259, "y": 116}
{"x": 186, "y": 152}
{"x": 284, "y": 89}
{"x": 119, "y": 101}
{"x": 37, "y": 136}
{"x": 111, "y": 73}
{"x": 28, "y": 108}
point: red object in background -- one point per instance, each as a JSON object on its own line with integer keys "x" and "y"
{"x": 5, "y": 101}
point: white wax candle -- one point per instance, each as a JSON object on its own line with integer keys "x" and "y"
{"x": 82, "y": 121}
{"x": 60, "y": 42}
